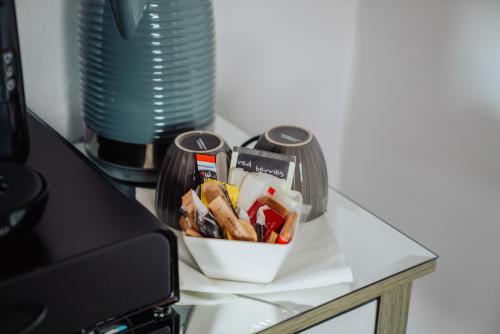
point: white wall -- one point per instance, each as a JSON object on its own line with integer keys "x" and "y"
{"x": 422, "y": 147}
{"x": 49, "y": 51}
{"x": 283, "y": 61}
{"x": 416, "y": 139}
{"x": 403, "y": 96}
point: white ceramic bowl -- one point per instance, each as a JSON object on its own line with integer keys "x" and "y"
{"x": 244, "y": 261}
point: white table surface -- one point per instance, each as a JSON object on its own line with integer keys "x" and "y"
{"x": 374, "y": 249}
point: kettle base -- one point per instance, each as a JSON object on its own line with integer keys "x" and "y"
{"x": 129, "y": 162}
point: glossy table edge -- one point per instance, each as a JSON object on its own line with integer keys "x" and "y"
{"x": 352, "y": 300}
{"x": 436, "y": 256}
{"x": 359, "y": 296}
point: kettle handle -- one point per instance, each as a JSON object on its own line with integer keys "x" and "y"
{"x": 128, "y": 14}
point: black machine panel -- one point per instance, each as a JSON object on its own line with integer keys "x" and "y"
{"x": 94, "y": 254}
{"x": 75, "y": 253}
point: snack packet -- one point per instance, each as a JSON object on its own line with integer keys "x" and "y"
{"x": 230, "y": 223}
{"x": 256, "y": 161}
{"x": 201, "y": 220}
{"x": 260, "y": 224}
{"x": 206, "y": 167}
{"x": 211, "y": 189}
{"x": 286, "y": 233}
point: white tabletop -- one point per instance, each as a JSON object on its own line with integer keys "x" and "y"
{"x": 374, "y": 250}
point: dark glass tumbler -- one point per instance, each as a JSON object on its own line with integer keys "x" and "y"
{"x": 311, "y": 176}
{"x": 178, "y": 172}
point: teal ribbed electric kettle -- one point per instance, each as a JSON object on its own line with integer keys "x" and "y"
{"x": 147, "y": 74}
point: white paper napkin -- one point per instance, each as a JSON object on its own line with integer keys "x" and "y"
{"x": 315, "y": 260}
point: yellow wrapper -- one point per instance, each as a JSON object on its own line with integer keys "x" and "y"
{"x": 232, "y": 190}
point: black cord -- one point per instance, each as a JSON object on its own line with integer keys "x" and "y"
{"x": 251, "y": 140}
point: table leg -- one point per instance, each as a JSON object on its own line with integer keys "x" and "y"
{"x": 393, "y": 309}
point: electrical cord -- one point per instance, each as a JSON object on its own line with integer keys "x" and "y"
{"x": 251, "y": 140}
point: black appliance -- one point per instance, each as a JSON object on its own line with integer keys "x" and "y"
{"x": 14, "y": 142}
{"x": 87, "y": 257}
{"x": 158, "y": 320}
{"x": 23, "y": 191}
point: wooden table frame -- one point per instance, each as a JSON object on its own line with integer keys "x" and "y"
{"x": 393, "y": 295}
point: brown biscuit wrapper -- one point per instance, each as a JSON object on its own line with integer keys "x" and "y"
{"x": 227, "y": 220}
{"x": 275, "y": 205}
{"x": 192, "y": 233}
{"x": 186, "y": 227}
{"x": 250, "y": 230}
{"x": 189, "y": 208}
{"x": 210, "y": 191}
{"x": 184, "y": 223}
{"x": 288, "y": 228}
{"x": 272, "y": 237}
